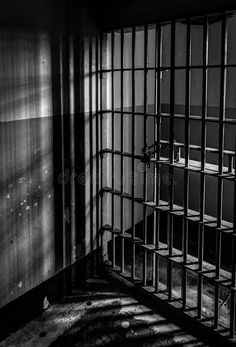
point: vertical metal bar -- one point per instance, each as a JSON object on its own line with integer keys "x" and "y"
{"x": 71, "y": 107}
{"x": 158, "y": 123}
{"x": 133, "y": 153}
{"x": 91, "y": 146}
{"x": 171, "y": 131}
{"x": 233, "y": 265}
{"x": 145, "y": 145}
{"x": 171, "y": 157}
{"x": 63, "y": 153}
{"x": 232, "y": 309}
{"x": 154, "y": 257}
{"x": 158, "y": 53}
{"x": 97, "y": 150}
{"x": 122, "y": 148}
{"x": 203, "y": 162}
{"x": 220, "y": 163}
{"x": 112, "y": 145}
{"x": 186, "y": 149}
{"x": 101, "y": 146}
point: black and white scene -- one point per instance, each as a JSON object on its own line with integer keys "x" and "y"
{"x": 117, "y": 173}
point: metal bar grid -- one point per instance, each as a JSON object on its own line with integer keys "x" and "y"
{"x": 177, "y": 116}
{"x": 180, "y": 67}
{"x": 182, "y": 257}
{"x": 228, "y": 176}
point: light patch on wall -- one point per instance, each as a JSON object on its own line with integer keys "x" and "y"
{"x": 25, "y": 70}
{"x": 45, "y": 108}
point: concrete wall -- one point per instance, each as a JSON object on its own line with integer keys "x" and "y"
{"x": 42, "y": 117}
{"x": 27, "y": 213}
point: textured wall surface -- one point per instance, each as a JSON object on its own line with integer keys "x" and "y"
{"x": 43, "y": 57}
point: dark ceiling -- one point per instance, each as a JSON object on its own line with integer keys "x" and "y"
{"x": 127, "y": 12}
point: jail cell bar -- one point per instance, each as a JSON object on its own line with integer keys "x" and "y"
{"x": 92, "y": 50}
{"x": 159, "y": 250}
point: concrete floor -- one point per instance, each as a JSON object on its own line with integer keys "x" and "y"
{"x": 208, "y": 290}
{"x": 100, "y": 314}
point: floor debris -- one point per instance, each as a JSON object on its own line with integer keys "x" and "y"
{"x": 95, "y": 318}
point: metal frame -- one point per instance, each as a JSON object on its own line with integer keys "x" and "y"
{"x": 158, "y": 249}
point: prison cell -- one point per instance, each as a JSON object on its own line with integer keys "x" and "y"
{"x": 168, "y": 191}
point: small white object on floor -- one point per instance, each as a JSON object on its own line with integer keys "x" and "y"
{"x": 46, "y": 303}
{"x": 125, "y": 324}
